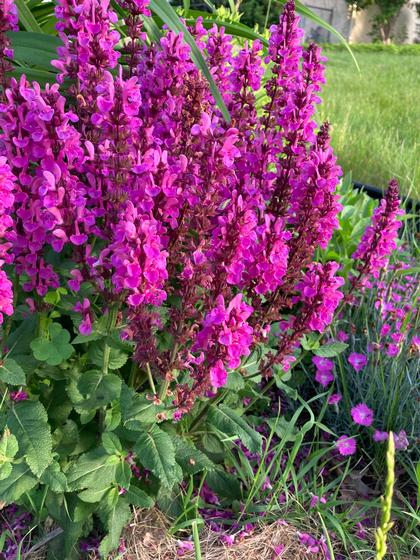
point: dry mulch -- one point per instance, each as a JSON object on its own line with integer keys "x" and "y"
{"x": 147, "y": 538}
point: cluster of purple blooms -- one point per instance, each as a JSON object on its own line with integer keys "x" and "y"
{"x": 151, "y": 194}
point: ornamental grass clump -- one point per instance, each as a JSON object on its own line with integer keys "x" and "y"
{"x": 149, "y": 249}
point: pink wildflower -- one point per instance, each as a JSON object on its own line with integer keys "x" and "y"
{"x": 379, "y": 436}
{"x": 184, "y": 547}
{"x": 324, "y": 368}
{"x": 358, "y": 361}
{"x": 278, "y": 550}
{"x": 346, "y": 445}
{"x": 362, "y": 415}
{"x": 335, "y": 398}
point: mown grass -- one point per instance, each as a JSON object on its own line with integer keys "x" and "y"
{"x": 375, "y": 116}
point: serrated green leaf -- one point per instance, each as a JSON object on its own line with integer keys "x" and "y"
{"x": 28, "y": 421}
{"x": 123, "y": 474}
{"x": 235, "y": 381}
{"x": 99, "y": 389}
{"x": 92, "y": 470}
{"x": 138, "y": 498}
{"x": 11, "y": 372}
{"x": 5, "y": 470}
{"x": 191, "y": 459}
{"x": 111, "y": 443}
{"x": 136, "y": 410}
{"x": 331, "y": 349}
{"x": 230, "y": 423}
{"x": 19, "y": 481}
{"x": 8, "y": 446}
{"x": 54, "y": 478}
{"x": 115, "y": 521}
{"x": 93, "y": 495}
{"x": 224, "y": 484}
{"x": 117, "y": 358}
{"x": 156, "y": 452}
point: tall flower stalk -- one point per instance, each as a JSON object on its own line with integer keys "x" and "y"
{"x": 194, "y": 229}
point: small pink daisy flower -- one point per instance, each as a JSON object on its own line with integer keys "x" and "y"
{"x": 335, "y": 398}
{"x": 342, "y": 336}
{"x": 346, "y": 445}
{"x": 362, "y": 415}
{"x": 184, "y": 547}
{"x": 358, "y": 361}
{"x": 392, "y": 350}
{"x": 228, "y": 540}
{"x": 324, "y": 377}
{"x": 278, "y": 550}
{"x": 380, "y": 436}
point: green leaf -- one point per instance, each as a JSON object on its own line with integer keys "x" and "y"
{"x": 231, "y": 424}
{"x": 99, "y": 389}
{"x": 138, "y": 498}
{"x": 16, "y": 484}
{"x": 117, "y": 358}
{"x": 111, "y": 443}
{"x": 8, "y": 446}
{"x": 94, "y": 495}
{"x": 168, "y": 15}
{"x": 92, "y": 470}
{"x": 191, "y": 459}
{"x": 5, "y": 470}
{"x": 136, "y": 410}
{"x": 54, "y": 478}
{"x": 232, "y": 28}
{"x": 331, "y": 349}
{"x": 26, "y": 18}
{"x": 115, "y": 520}
{"x": 54, "y": 350}
{"x": 156, "y": 452}
{"x": 28, "y": 421}
{"x": 11, "y": 372}
{"x": 224, "y": 484}
{"x": 235, "y": 381}
{"x": 123, "y": 474}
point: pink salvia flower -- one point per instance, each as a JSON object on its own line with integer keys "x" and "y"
{"x": 379, "y": 239}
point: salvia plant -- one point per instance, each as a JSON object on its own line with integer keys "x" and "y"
{"x": 157, "y": 261}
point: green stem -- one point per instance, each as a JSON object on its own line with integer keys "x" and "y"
{"x": 42, "y": 327}
{"x": 150, "y": 378}
{"x": 133, "y": 375}
{"x": 196, "y": 537}
{"x": 112, "y": 318}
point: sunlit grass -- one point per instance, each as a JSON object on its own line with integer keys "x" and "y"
{"x": 375, "y": 116}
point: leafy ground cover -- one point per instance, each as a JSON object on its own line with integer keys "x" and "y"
{"x": 375, "y": 116}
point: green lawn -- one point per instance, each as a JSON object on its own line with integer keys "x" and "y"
{"x": 375, "y": 116}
